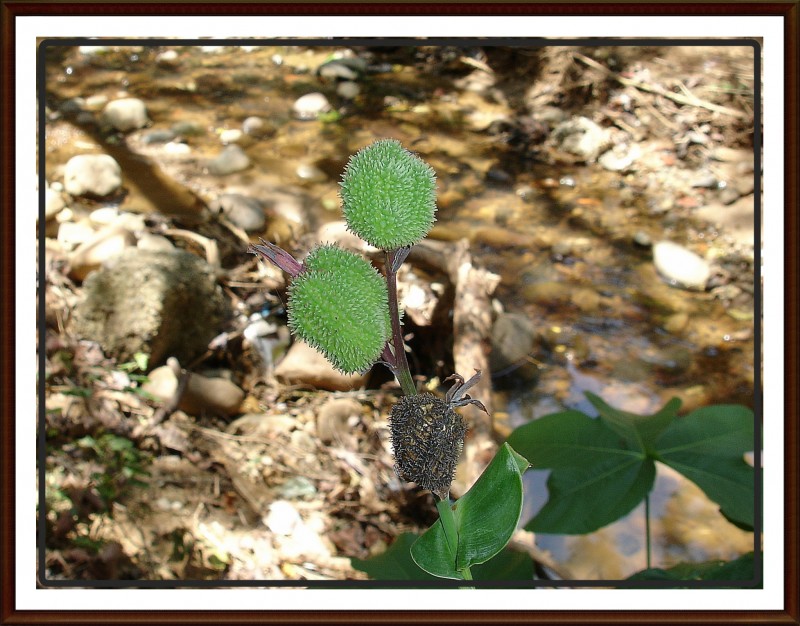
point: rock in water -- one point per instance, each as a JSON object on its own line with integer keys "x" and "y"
{"x": 232, "y": 159}
{"x": 680, "y": 266}
{"x": 94, "y": 174}
{"x": 126, "y": 114}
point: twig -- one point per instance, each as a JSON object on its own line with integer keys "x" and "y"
{"x": 682, "y": 98}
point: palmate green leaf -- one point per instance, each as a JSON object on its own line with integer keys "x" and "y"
{"x": 738, "y": 569}
{"x": 485, "y": 518}
{"x": 640, "y": 431}
{"x": 596, "y": 477}
{"x": 708, "y": 446}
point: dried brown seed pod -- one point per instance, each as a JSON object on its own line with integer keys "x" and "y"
{"x": 427, "y": 438}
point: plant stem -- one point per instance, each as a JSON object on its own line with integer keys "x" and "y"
{"x": 647, "y": 527}
{"x": 450, "y": 532}
{"x": 400, "y": 366}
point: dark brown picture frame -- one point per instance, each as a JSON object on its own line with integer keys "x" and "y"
{"x": 10, "y": 614}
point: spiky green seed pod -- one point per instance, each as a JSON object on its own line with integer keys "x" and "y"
{"x": 427, "y": 438}
{"x": 388, "y": 195}
{"x": 339, "y": 305}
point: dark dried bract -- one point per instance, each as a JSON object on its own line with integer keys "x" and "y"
{"x": 427, "y": 438}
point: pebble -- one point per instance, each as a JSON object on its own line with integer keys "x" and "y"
{"x": 676, "y": 322}
{"x": 71, "y": 234}
{"x": 513, "y": 339}
{"x": 126, "y": 114}
{"x": 309, "y": 106}
{"x": 310, "y": 173}
{"x": 215, "y": 395}
{"x": 95, "y": 103}
{"x": 582, "y": 137}
{"x": 187, "y": 128}
{"x": 104, "y": 216}
{"x": 159, "y": 136}
{"x": 176, "y": 148}
{"x": 230, "y": 135}
{"x": 680, "y": 266}
{"x": 253, "y": 126}
{"x": 342, "y": 69}
{"x": 303, "y": 364}
{"x": 641, "y": 238}
{"x": 348, "y": 89}
{"x": 232, "y": 159}
{"x": 53, "y": 203}
{"x": 95, "y": 174}
{"x": 620, "y": 157}
{"x": 246, "y": 212}
{"x": 168, "y": 58}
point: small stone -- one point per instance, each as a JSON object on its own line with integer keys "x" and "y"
{"x": 680, "y": 266}
{"x": 159, "y": 136}
{"x": 309, "y": 106}
{"x": 187, "y": 129}
{"x": 71, "y": 234}
{"x": 232, "y": 159}
{"x": 53, "y": 203}
{"x": 347, "y": 69}
{"x": 513, "y": 340}
{"x": 582, "y": 137}
{"x": 641, "y": 238}
{"x": 104, "y": 216}
{"x": 246, "y": 212}
{"x": 213, "y": 395}
{"x": 95, "y": 103}
{"x": 126, "y": 114}
{"x": 92, "y": 174}
{"x": 230, "y": 135}
{"x": 620, "y": 157}
{"x": 168, "y": 58}
{"x": 348, "y": 89}
{"x": 176, "y": 147}
{"x": 303, "y": 364}
{"x": 310, "y": 173}
{"x": 254, "y": 126}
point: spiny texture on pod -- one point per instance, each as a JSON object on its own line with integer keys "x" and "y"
{"x": 339, "y": 304}
{"x": 427, "y": 438}
{"x": 388, "y": 195}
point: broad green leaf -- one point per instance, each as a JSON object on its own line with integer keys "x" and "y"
{"x": 640, "y": 431}
{"x": 394, "y": 564}
{"x": 485, "y": 518}
{"x": 508, "y": 565}
{"x": 596, "y": 478}
{"x": 739, "y": 569}
{"x": 708, "y": 446}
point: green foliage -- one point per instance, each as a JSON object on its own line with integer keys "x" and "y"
{"x": 388, "y": 195}
{"x": 485, "y": 518}
{"x": 738, "y": 569}
{"x": 602, "y": 468}
{"x": 123, "y": 465}
{"x": 397, "y": 564}
{"x": 339, "y": 305}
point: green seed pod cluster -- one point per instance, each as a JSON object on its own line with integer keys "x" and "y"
{"x": 339, "y": 304}
{"x": 427, "y": 438}
{"x": 388, "y": 195}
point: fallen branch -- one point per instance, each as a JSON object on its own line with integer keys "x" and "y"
{"x": 682, "y": 98}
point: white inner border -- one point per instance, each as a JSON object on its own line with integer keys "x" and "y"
{"x": 770, "y": 28}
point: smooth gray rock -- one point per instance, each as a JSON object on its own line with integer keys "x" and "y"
{"x": 93, "y": 174}
{"x": 126, "y": 114}
{"x": 232, "y": 159}
{"x": 513, "y": 339}
{"x": 160, "y": 303}
{"x": 246, "y": 212}
{"x": 309, "y": 106}
{"x": 582, "y": 137}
